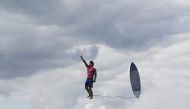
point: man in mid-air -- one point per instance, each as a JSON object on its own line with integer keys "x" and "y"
{"x": 91, "y": 77}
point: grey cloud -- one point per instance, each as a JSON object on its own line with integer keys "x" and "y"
{"x": 33, "y": 54}
{"x": 37, "y": 7}
{"x": 27, "y": 47}
{"x": 26, "y": 55}
{"x": 7, "y": 87}
{"x": 90, "y": 52}
{"x": 122, "y": 24}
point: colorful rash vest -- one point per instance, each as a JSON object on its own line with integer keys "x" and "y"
{"x": 90, "y": 72}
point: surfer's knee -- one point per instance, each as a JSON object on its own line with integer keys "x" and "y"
{"x": 90, "y": 88}
{"x": 86, "y": 87}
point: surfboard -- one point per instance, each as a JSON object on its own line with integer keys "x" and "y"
{"x": 135, "y": 80}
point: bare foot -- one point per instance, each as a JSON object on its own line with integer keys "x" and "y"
{"x": 91, "y": 97}
{"x": 88, "y": 96}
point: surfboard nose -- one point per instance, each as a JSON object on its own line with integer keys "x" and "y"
{"x": 133, "y": 67}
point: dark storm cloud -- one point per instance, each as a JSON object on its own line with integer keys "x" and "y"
{"x": 26, "y": 55}
{"x": 26, "y": 47}
{"x": 119, "y": 24}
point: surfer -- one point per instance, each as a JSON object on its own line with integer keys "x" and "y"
{"x": 91, "y": 77}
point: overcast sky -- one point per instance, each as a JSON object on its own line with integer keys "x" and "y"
{"x": 41, "y": 42}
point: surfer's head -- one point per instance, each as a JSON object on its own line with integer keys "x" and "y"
{"x": 91, "y": 63}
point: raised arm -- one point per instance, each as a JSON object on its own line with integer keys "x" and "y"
{"x": 84, "y": 61}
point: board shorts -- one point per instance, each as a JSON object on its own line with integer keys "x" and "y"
{"x": 89, "y": 83}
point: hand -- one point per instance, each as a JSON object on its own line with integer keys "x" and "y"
{"x": 94, "y": 81}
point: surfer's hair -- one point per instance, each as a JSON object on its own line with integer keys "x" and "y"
{"x": 92, "y": 63}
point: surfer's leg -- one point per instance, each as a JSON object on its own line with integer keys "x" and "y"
{"x": 87, "y": 91}
{"x": 90, "y": 89}
{"x": 87, "y": 87}
{"x": 91, "y": 92}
